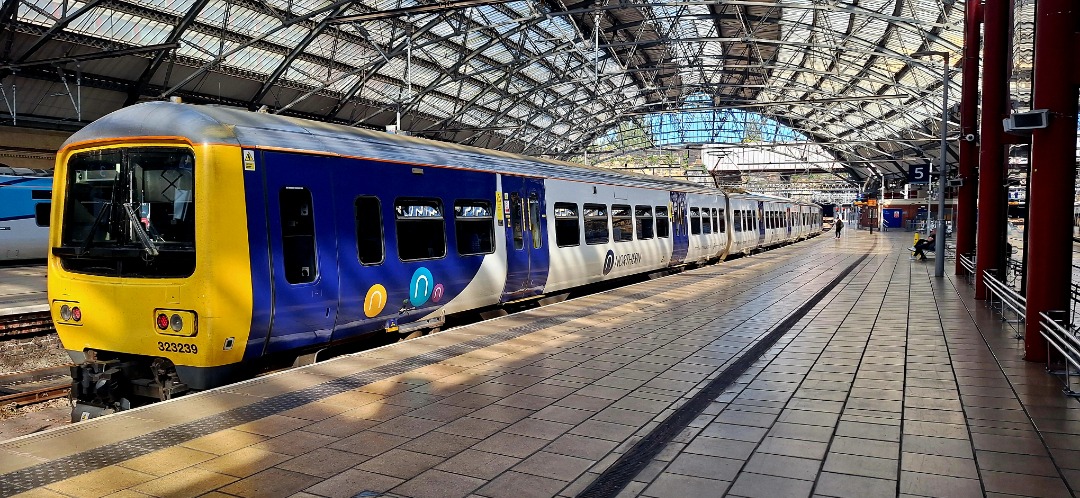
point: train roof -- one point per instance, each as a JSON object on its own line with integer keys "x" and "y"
{"x": 208, "y": 124}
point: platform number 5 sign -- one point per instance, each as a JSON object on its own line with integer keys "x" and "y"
{"x": 918, "y": 173}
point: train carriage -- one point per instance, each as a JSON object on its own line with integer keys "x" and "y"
{"x": 24, "y": 212}
{"x": 194, "y": 244}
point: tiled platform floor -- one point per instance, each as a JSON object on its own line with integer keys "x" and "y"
{"x": 894, "y": 383}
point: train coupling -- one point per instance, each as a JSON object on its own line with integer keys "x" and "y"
{"x": 101, "y": 387}
{"x": 98, "y": 388}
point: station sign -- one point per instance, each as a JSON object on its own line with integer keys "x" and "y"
{"x": 918, "y": 173}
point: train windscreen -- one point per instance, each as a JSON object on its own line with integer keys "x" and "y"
{"x": 130, "y": 212}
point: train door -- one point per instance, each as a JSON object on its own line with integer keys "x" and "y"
{"x": 788, "y": 220}
{"x": 302, "y": 241}
{"x": 680, "y": 232}
{"x": 761, "y": 222}
{"x": 526, "y": 254}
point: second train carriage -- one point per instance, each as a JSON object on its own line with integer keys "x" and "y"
{"x": 192, "y": 243}
{"x": 24, "y": 213}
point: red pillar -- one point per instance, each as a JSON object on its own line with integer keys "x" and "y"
{"x": 969, "y": 129}
{"x": 1053, "y": 168}
{"x": 990, "y": 236}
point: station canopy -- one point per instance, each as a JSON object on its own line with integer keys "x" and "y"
{"x": 550, "y": 78}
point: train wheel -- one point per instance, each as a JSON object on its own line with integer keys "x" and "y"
{"x": 417, "y": 333}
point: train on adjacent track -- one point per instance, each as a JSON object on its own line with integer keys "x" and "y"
{"x": 24, "y": 213}
{"x": 192, "y": 244}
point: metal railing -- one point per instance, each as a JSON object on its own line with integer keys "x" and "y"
{"x": 1007, "y": 300}
{"x": 968, "y": 262}
{"x": 1059, "y": 338}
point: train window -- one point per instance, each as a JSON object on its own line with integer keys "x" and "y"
{"x": 622, "y": 223}
{"x": 534, "y": 221}
{"x": 42, "y": 213}
{"x": 516, "y": 220}
{"x": 662, "y": 222}
{"x": 41, "y": 195}
{"x": 567, "y": 229}
{"x": 715, "y": 221}
{"x": 474, "y": 227}
{"x": 297, "y": 235}
{"x": 596, "y": 223}
{"x": 736, "y": 219}
{"x": 369, "y": 230}
{"x": 706, "y": 221}
{"x": 644, "y": 222}
{"x": 695, "y": 221}
{"x": 722, "y": 216}
{"x": 421, "y": 229}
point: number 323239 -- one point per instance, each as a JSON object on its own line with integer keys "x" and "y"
{"x": 177, "y": 347}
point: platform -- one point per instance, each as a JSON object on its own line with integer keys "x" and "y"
{"x": 882, "y": 381}
{"x": 22, "y": 288}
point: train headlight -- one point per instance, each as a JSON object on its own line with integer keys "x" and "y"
{"x": 67, "y": 313}
{"x": 183, "y": 323}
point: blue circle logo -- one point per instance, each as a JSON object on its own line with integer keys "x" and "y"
{"x": 609, "y": 261}
{"x": 420, "y": 287}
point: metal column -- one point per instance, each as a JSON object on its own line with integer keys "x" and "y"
{"x": 990, "y": 236}
{"x": 1052, "y": 175}
{"x": 964, "y": 227}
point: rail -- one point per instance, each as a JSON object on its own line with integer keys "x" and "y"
{"x": 1074, "y": 306}
{"x": 30, "y": 323}
{"x": 1064, "y": 342}
{"x": 1007, "y": 299}
{"x": 25, "y": 388}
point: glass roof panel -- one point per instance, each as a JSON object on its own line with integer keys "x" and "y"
{"x": 541, "y": 69}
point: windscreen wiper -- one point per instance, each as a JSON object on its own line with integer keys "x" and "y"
{"x": 140, "y": 232}
{"x": 85, "y": 246}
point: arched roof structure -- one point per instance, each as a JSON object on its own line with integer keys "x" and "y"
{"x": 547, "y": 77}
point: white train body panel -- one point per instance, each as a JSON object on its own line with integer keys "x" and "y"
{"x": 584, "y": 263}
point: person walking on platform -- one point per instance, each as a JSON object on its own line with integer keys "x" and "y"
{"x": 839, "y": 226}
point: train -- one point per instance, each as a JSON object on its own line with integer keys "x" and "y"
{"x": 193, "y": 243}
{"x": 25, "y": 197}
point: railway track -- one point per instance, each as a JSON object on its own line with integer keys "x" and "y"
{"x": 35, "y": 386}
{"x": 25, "y": 323}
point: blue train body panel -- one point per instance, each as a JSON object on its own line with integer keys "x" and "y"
{"x": 344, "y": 297}
{"x": 262, "y": 297}
{"x": 17, "y": 196}
{"x": 299, "y": 193}
{"x": 20, "y": 235}
{"x": 396, "y": 292}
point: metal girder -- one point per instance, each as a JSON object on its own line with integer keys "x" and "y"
{"x": 294, "y": 53}
{"x": 56, "y": 28}
{"x": 548, "y": 76}
{"x": 174, "y": 36}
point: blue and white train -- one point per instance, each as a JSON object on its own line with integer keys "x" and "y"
{"x": 24, "y": 212}
{"x": 194, "y": 243}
